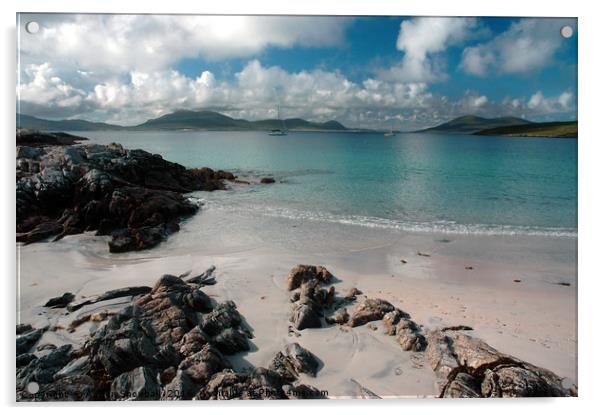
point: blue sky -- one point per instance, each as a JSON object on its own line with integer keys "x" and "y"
{"x": 363, "y": 71}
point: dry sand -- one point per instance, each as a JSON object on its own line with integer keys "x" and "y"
{"x": 534, "y": 319}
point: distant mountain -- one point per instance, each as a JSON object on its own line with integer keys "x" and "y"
{"x": 34, "y": 123}
{"x": 561, "y": 129}
{"x": 469, "y": 124}
{"x": 181, "y": 120}
{"x": 210, "y": 120}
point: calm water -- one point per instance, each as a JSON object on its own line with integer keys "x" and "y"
{"x": 422, "y": 182}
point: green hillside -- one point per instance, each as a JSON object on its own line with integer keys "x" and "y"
{"x": 469, "y": 124}
{"x": 544, "y": 129}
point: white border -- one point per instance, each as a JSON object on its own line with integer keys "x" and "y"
{"x": 590, "y": 151}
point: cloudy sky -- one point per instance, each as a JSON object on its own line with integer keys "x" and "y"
{"x": 363, "y": 72}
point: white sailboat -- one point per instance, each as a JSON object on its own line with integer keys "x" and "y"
{"x": 390, "y": 133}
{"x": 279, "y": 131}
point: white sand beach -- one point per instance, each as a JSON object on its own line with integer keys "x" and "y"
{"x": 465, "y": 279}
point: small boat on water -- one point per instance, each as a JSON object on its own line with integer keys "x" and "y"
{"x": 390, "y": 133}
{"x": 279, "y": 131}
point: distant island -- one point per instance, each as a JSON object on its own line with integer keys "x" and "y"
{"x": 506, "y": 126}
{"x": 182, "y": 120}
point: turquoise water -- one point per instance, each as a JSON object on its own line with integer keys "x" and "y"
{"x": 416, "y": 182}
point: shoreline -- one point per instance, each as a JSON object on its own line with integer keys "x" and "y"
{"x": 533, "y": 320}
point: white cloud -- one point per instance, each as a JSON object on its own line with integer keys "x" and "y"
{"x": 118, "y": 43}
{"x": 528, "y": 45}
{"x": 423, "y": 37}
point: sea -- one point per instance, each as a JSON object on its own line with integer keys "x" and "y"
{"x": 417, "y": 182}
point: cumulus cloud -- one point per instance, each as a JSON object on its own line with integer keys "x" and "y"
{"x": 120, "y": 43}
{"x": 120, "y": 69}
{"x": 420, "y": 39}
{"x": 528, "y": 45}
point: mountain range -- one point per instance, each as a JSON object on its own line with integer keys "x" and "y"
{"x": 181, "y": 120}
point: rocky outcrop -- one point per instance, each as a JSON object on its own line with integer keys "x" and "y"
{"x": 168, "y": 343}
{"x": 371, "y": 309}
{"x": 469, "y": 367}
{"x": 134, "y": 196}
{"x": 311, "y": 301}
{"x": 305, "y": 273}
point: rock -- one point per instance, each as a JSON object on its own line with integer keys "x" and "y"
{"x": 43, "y": 369}
{"x": 135, "y": 195}
{"x": 109, "y": 295}
{"x": 303, "y": 392}
{"x": 409, "y": 336}
{"x": 23, "y": 328}
{"x": 391, "y": 319}
{"x": 267, "y": 180}
{"x": 24, "y": 359}
{"x": 453, "y": 354}
{"x": 42, "y": 231}
{"x": 60, "y": 302}
{"x": 306, "y": 315}
{"x": 193, "y": 341}
{"x": 370, "y": 310}
{"x": 224, "y": 385}
{"x": 76, "y": 367}
{"x": 181, "y": 387}
{"x": 139, "y": 384}
{"x": 340, "y": 316}
{"x": 47, "y": 346}
{"x": 463, "y": 386}
{"x": 294, "y": 360}
{"x": 303, "y": 273}
{"x": 223, "y": 316}
{"x": 352, "y": 294}
{"x": 26, "y": 341}
{"x": 231, "y": 341}
{"x": 263, "y": 384}
{"x": 514, "y": 381}
{"x": 201, "y": 366}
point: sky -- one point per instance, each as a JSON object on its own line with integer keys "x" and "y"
{"x": 366, "y": 72}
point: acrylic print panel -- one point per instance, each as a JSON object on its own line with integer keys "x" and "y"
{"x": 284, "y": 207}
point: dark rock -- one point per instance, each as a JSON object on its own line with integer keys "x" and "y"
{"x": 26, "y": 341}
{"x": 294, "y": 360}
{"x": 267, "y": 180}
{"x": 43, "y": 369}
{"x": 303, "y": 273}
{"x": 47, "y": 346}
{"x": 463, "y": 386}
{"x": 231, "y": 341}
{"x": 306, "y": 315}
{"x": 139, "y": 384}
{"x": 60, "y": 302}
{"x": 132, "y": 193}
{"x": 42, "y": 231}
{"x": 193, "y": 341}
{"x": 370, "y": 310}
{"x": 225, "y": 385}
{"x": 222, "y": 317}
{"x": 303, "y": 392}
{"x": 181, "y": 387}
{"x": 25, "y": 358}
{"x": 23, "y": 328}
{"x": 201, "y": 366}
{"x": 109, "y": 295}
